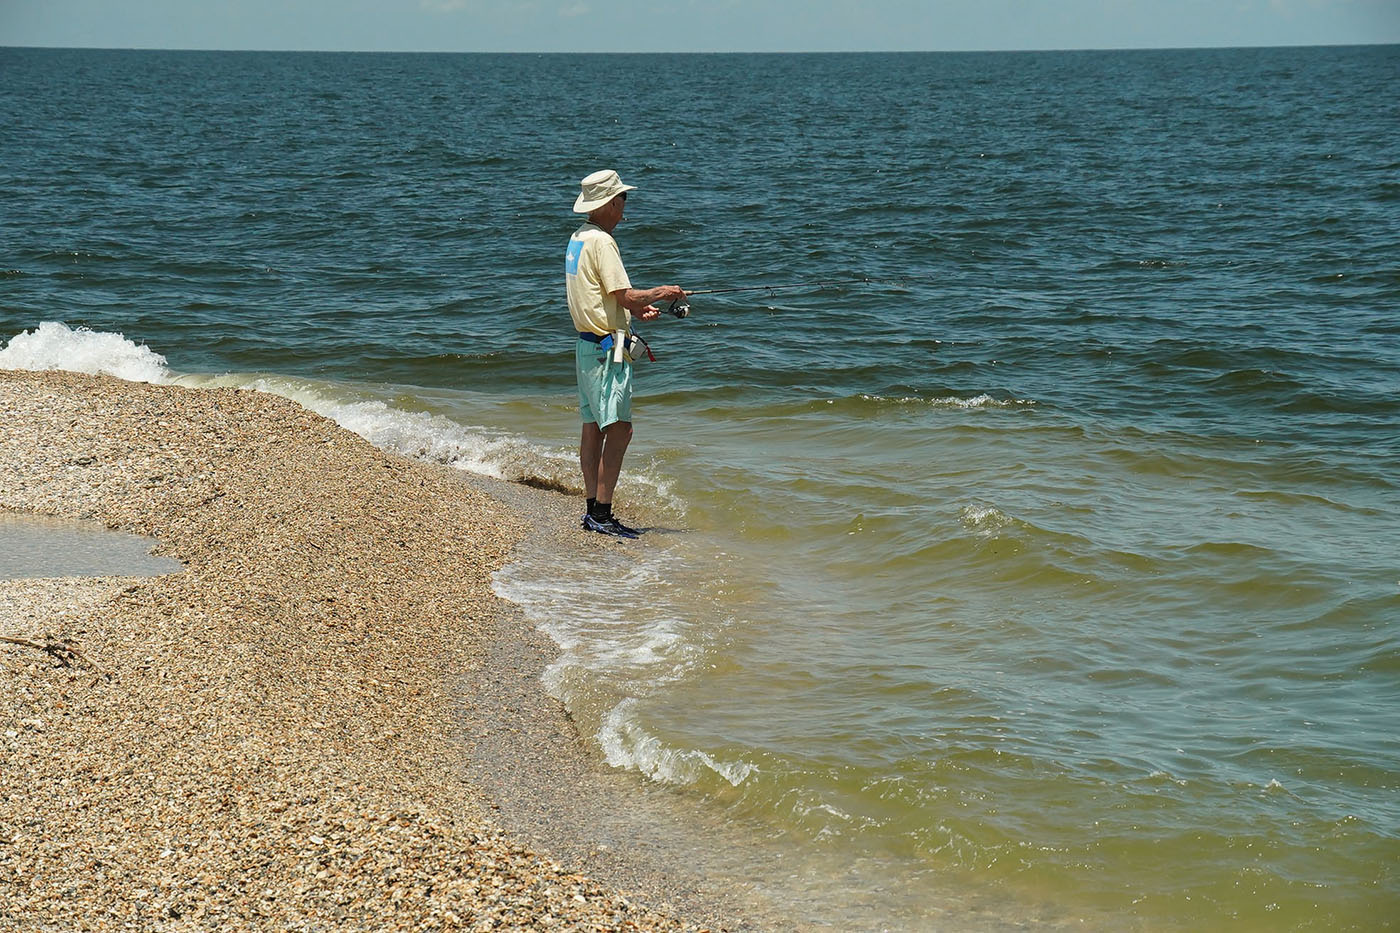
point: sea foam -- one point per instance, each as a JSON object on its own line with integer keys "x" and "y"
{"x": 54, "y": 345}
{"x": 951, "y": 401}
{"x": 626, "y": 744}
{"x": 420, "y": 435}
{"x": 985, "y": 520}
{"x": 414, "y": 434}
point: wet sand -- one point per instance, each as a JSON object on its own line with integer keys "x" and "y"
{"x": 327, "y": 720}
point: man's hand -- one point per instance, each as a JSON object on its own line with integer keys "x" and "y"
{"x": 649, "y": 313}
{"x": 639, "y": 301}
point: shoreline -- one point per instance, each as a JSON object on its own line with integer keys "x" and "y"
{"x": 293, "y": 732}
{"x": 549, "y": 785}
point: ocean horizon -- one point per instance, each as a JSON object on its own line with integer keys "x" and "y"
{"x": 1225, "y": 47}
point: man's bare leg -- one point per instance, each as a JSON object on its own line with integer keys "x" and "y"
{"x": 616, "y": 437}
{"x": 600, "y": 453}
{"x": 590, "y": 452}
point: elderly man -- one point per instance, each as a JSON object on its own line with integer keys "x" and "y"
{"x": 601, "y": 302}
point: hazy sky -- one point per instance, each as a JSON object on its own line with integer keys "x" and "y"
{"x": 693, "y": 25}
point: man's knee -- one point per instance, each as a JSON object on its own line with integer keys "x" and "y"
{"x": 619, "y": 430}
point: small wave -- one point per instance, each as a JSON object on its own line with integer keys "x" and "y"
{"x": 1228, "y": 549}
{"x": 78, "y": 255}
{"x": 414, "y": 434}
{"x": 54, "y": 345}
{"x": 627, "y": 745}
{"x": 1136, "y": 265}
{"x": 1284, "y": 498}
{"x": 985, "y": 520}
{"x": 418, "y": 435}
{"x": 1259, "y": 380}
{"x": 1164, "y": 777}
{"x": 865, "y": 404}
{"x": 976, "y": 402}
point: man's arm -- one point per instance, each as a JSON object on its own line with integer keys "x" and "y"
{"x": 638, "y": 300}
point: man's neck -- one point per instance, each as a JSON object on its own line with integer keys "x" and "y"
{"x": 601, "y": 218}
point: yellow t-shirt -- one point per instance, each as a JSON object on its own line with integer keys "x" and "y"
{"x": 592, "y": 272}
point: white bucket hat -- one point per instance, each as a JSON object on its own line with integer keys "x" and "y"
{"x": 598, "y": 189}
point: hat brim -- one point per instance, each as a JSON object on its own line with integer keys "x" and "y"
{"x": 586, "y": 206}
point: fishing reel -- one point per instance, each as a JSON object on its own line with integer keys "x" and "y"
{"x": 679, "y": 308}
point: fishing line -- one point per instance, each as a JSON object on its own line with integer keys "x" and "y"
{"x": 772, "y": 288}
{"x": 681, "y": 306}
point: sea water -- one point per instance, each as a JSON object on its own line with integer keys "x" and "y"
{"x": 44, "y": 546}
{"x": 1041, "y": 563}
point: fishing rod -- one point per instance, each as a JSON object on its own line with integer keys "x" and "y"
{"x": 681, "y": 307}
{"x": 772, "y": 288}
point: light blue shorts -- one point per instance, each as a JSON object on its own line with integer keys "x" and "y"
{"x": 604, "y": 387}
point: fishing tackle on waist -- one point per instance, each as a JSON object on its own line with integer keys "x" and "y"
{"x": 621, "y": 345}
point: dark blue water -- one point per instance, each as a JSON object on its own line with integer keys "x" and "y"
{"x": 1046, "y": 550}
{"x": 326, "y": 213}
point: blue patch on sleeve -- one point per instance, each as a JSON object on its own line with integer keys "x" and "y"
{"x": 571, "y": 257}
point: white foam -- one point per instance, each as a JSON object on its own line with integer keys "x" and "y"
{"x": 628, "y": 628}
{"x": 952, "y": 401}
{"x": 597, "y": 634}
{"x": 419, "y": 435}
{"x": 979, "y": 401}
{"x": 627, "y": 745}
{"x": 985, "y": 520}
{"x": 54, "y": 345}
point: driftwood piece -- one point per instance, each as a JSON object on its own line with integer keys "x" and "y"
{"x": 61, "y": 650}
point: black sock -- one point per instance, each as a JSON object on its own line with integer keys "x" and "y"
{"x": 592, "y": 504}
{"x": 602, "y": 511}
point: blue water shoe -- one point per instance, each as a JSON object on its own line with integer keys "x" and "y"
{"x": 609, "y": 526}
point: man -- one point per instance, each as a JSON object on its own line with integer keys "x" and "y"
{"x": 601, "y": 302}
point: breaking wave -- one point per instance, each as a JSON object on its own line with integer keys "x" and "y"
{"x": 419, "y": 435}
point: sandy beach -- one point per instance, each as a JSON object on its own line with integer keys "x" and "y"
{"x": 317, "y": 723}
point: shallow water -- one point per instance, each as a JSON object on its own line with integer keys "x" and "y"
{"x": 1050, "y": 552}
{"x": 42, "y": 546}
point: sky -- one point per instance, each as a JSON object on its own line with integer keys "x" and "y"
{"x": 693, "y": 25}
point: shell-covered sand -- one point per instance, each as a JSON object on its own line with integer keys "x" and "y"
{"x": 264, "y": 741}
